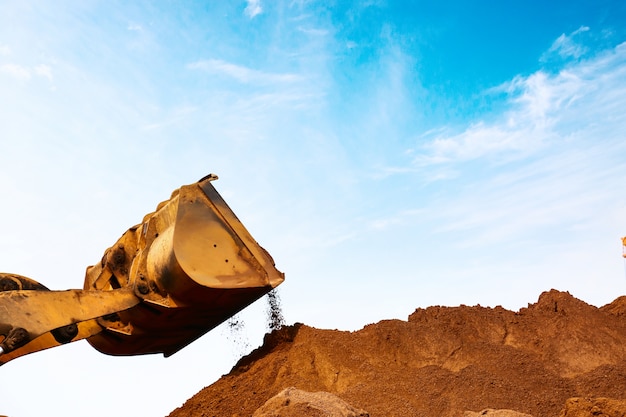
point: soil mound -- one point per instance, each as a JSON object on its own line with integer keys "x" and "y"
{"x": 445, "y": 362}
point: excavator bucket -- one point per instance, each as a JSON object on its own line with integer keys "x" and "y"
{"x": 188, "y": 267}
{"x": 192, "y": 263}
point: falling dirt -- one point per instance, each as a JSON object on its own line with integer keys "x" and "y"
{"x": 559, "y": 357}
{"x": 275, "y": 318}
{"x": 236, "y": 336}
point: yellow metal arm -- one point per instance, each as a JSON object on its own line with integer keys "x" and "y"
{"x": 27, "y": 315}
{"x": 48, "y": 340}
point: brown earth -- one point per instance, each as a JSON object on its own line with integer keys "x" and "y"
{"x": 558, "y": 357}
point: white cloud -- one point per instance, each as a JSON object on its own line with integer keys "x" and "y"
{"x": 134, "y": 27}
{"x": 542, "y": 108}
{"x": 43, "y": 71}
{"x": 253, "y": 8}
{"x": 396, "y": 220}
{"x": 313, "y": 31}
{"x": 5, "y": 50}
{"x": 478, "y": 141}
{"x": 559, "y": 191}
{"x": 566, "y": 46}
{"x": 24, "y": 73}
{"x": 243, "y": 74}
{"x": 16, "y": 71}
{"x": 541, "y": 170}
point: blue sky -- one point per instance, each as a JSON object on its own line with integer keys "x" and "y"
{"x": 389, "y": 155}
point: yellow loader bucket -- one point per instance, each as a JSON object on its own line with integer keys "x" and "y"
{"x": 193, "y": 265}
{"x": 185, "y": 269}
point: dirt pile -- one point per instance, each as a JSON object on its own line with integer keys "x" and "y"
{"x": 559, "y": 356}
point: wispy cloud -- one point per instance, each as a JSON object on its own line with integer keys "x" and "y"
{"x": 25, "y": 73}
{"x": 549, "y": 163}
{"x": 18, "y": 72}
{"x": 567, "y": 46}
{"x": 243, "y": 74}
{"x": 253, "y": 8}
{"x": 480, "y": 140}
{"x": 42, "y": 70}
{"x": 134, "y": 27}
{"x": 313, "y": 31}
{"x": 559, "y": 191}
{"x": 395, "y": 220}
{"x": 542, "y": 108}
